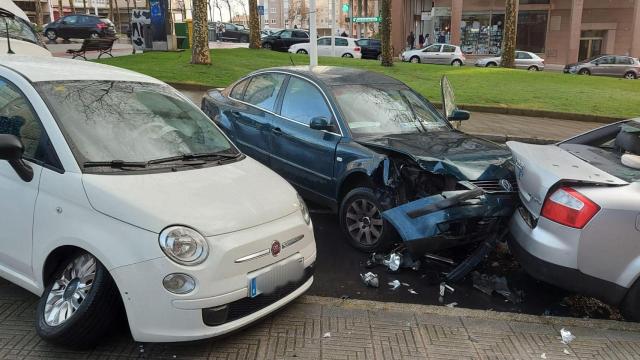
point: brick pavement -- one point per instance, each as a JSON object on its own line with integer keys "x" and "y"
{"x": 354, "y": 329}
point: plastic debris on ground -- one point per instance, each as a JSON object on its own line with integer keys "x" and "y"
{"x": 489, "y": 284}
{"x": 443, "y": 290}
{"x": 394, "y": 284}
{"x": 543, "y": 356}
{"x": 566, "y": 352}
{"x": 326, "y": 335}
{"x": 566, "y": 335}
{"x": 452, "y": 305}
{"x": 411, "y": 291}
{"x": 370, "y": 279}
{"x": 394, "y": 261}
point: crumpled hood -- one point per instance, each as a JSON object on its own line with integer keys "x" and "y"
{"x": 213, "y": 200}
{"x": 449, "y": 152}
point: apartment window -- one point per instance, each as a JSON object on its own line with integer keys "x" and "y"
{"x": 532, "y": 31}
{"x": 273, "y": 10}
{"x": 273, "y": 21}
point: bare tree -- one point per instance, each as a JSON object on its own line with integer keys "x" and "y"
{"x": 254, "y": 25}
{"x": 84, "y": 6}
{"x": 304, "y": 12}
{"x": 291, "y": 13}
{"x": 39, "y": 20}
{"x": 200, "y": 47}
{"x": 110, "y": 9}
{"x": 217, "y": 5}
{"x": 385, "y": 32}
{"x": 73, "y": 6}
{"x": 60, "y": 9}
{"x": 228, "y": 3}
{"x": 509, "y": 38}
{"x": 243, "y": 6}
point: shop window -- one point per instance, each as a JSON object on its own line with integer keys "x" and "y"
{"x": 481, "y": 33}
{"x": 532, "y": 31}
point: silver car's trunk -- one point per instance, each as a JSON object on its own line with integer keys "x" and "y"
{"x": 539, "y": 167}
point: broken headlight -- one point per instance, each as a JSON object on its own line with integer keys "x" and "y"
{"x": 304, "y": 210}
{"x": 184, "y": 245}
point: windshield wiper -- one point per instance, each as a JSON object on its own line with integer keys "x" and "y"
{"x": 193, "y": 156}
{"x": 118, "y": 164}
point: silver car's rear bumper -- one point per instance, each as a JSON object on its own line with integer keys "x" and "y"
{"x": 549, "y": 251}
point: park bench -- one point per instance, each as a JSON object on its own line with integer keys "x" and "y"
{"x": 102, "y": 45}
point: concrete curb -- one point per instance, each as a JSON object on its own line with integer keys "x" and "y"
{"x": 470, "y": 313}
{"x": 505, "y": 138}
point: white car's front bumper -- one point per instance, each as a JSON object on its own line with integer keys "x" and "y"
{"x": 156, "y": 315}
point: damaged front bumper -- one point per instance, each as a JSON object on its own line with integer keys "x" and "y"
{"x": 452, "y": 218}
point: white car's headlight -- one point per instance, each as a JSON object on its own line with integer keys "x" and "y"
{"x": 304, "y": 210}
{"x": 184, "y": 245}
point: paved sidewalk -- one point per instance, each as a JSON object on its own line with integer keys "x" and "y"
{"x": 501, "y": 127}
{"x": 326, "y": 328}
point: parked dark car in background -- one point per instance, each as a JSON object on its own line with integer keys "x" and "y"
{"x": 370, "y": 48}
{"x": 79, "y": 26}
{"x": 233, "y": 32}
{"x": 369, "y": 147}
{"x": 607, "y": 65}
{"x": 281, "y": 40}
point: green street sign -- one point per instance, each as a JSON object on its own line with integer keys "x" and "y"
{"x": 345, "y": 8}
{"x": 374, "y": 19}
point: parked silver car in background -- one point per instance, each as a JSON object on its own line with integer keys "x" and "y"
{"x": 444, "y": 54}
{"x": 607, "y": 65}
{"x": 524, "y": 60}
{"x": 579, "y": 223}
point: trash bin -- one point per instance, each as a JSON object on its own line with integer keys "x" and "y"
{"x": 147, "y": 34}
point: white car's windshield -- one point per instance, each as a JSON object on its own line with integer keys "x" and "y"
{"x": 374, "y": 110}
{"x": 129, "y": 121}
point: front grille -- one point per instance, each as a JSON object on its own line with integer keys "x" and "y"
{"x": 494, "y": 186}
{"x": 247, "y": 306}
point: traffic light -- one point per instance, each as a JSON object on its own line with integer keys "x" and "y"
{"x": 345, "y": 8}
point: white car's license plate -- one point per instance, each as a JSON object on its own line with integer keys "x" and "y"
{"x": 274, "y": 276}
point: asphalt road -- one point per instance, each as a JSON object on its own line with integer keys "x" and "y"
{"x": 339, "y": 266}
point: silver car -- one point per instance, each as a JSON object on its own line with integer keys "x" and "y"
{"x": 607, "y": 65}
{"x": 579, "y": 223}
{"x": 444, "y": 54}
{"x": 523, "y": 60}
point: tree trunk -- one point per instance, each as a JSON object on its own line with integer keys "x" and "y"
{"x": 39, "y": 20}
{"x": 84, "y": 6}
{"x": 510, "y": 32}
{"x": 366, "y": 13}
{"x": 60, "y": 9}
{"x": 385, "y": 32}
{"x": 111, "y": 10}
{"x": 229, "y": 7}
{"x": 73, "y": 7}
{"x": 200, "y": 45}
{"x": 254, "y": 25}
{"x": 359, "y": 25}
{"x": 117, "y": 16}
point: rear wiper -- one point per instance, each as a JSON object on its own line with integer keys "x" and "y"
{"x": 118, "y": 164}
{"x": 193, "y": 156}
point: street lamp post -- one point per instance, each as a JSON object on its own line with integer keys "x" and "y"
{"x": 333, "y": 27}
{"x": 313, "y": 35}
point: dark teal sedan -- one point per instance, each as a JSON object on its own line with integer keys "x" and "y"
{"x": 373, "y": 150}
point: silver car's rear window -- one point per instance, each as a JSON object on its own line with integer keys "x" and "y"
{"x": 604, "y": 158}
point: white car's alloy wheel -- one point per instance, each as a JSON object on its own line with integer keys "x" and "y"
{"x": 70, "y": 290}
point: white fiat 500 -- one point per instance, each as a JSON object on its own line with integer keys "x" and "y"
{"x": 117, "y": 190}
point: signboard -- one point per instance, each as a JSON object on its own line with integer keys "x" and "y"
{"x": 345, "y": 8}
{"x": 372, "y": 19}
{"x": 139, "y": 18}
{"x": 260, "y": 9}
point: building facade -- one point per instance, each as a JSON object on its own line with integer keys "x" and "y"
{"x": 562, "y": 31}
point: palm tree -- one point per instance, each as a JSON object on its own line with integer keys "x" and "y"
{"x": 200, "y": 46}
{"x": 39, "y": 20}
{"x": 254, "y": 25}
{"x": 509, "y": 38}
{"x": 385, "y": 32}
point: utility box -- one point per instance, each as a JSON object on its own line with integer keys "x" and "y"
{"x": 182, "y": 35}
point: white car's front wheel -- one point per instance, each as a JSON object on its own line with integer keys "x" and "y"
{"x": 301, "y": 51}
{"x": 80, "y": 304}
